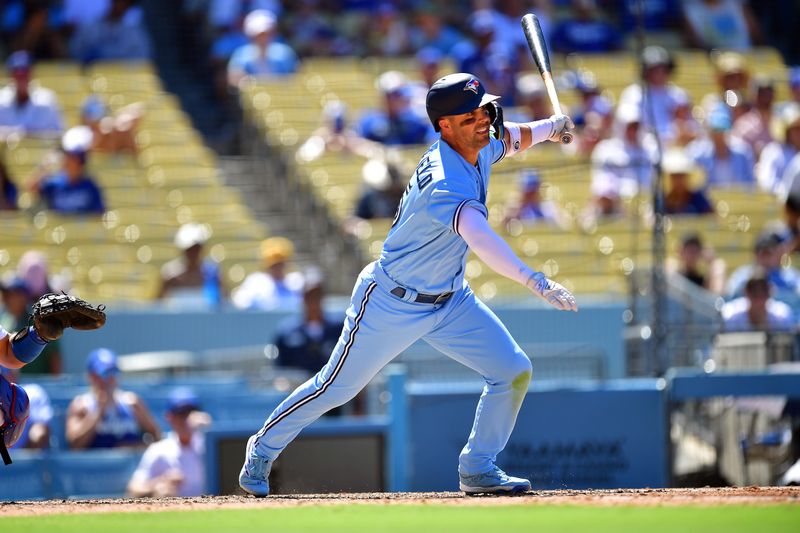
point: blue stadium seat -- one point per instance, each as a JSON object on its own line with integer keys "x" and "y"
{"x": 92, "y": 473}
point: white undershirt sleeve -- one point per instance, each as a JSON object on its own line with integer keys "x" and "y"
{"x": 490, "y": 247}
{"x": 541, "y": 130}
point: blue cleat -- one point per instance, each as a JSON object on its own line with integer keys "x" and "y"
{"x": 494, "y": 481}
{"x": 254, "y": 477}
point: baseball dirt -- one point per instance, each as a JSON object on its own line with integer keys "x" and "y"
{"x": 628, "y": 497}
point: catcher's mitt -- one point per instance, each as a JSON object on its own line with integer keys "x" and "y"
{"x": 54, "y": 312}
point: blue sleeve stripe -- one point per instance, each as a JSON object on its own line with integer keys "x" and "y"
{"x": 502, "y": 154}
{"x": 458, "y": 214}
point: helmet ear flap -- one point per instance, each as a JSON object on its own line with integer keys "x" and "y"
{"x": 497, "y": 130}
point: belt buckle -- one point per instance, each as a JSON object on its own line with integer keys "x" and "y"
{"x": 442, "y": 298}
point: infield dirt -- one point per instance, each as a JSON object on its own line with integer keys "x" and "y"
{"x": 628, "y": 497}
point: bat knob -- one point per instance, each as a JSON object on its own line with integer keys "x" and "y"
{"x": 566, "y": 138}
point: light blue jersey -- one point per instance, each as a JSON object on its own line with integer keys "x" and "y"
{"x": 424, "y": 250}
{"x": 424, "y": 254}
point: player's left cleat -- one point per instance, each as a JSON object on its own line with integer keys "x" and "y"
{"x": 494, "y": 481}
{"x": 254, "y": 477}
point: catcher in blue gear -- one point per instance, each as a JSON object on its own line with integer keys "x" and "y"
{"x": 50, "y": 316}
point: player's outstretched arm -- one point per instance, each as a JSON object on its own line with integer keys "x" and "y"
{"x": 495, "y": 252}
{"x": 7, "y": 358}
{"x": 521, "y": 136}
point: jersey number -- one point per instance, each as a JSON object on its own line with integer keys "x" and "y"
{"x": 423, "y": 177}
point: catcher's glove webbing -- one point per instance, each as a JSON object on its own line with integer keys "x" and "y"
{"x": 54, "y": 312}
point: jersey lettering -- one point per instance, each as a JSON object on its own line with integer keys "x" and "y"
{"x": 423, "y": 175}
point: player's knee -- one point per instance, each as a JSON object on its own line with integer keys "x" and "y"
{"x": 518, "y": 371}
{"x": 524, "y": 373}
{"x": 522, "y": 365}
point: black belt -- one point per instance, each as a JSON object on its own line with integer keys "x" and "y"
{"x": 400, "y": 292}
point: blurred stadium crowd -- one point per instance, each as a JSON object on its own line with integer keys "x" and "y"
{"x": 105, "y": 188}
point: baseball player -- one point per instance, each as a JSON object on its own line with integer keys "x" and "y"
{"x": 51, "y": 315}
{"x": 417, "y": 290}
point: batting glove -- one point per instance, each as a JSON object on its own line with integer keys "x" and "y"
{"x": 551, "y": 292}
{"x": 558, "y": 125}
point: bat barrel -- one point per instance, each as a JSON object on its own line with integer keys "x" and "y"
{"x": 533, "y": 34}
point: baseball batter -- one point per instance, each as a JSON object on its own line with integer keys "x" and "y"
{"x": 416, "y": 290}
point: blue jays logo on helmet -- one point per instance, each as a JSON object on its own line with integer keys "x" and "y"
{"x": 472, "y": 85}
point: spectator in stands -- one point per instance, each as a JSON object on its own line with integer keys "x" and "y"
{"x": 720, "y": 24}
{"x": 428, "y": 62}
{"x": 383, "y": 189}
{"x": 312, "y": 32}
{"x": 118, "y": 36}
{"x": 80, "y": 13}
{"x": 732, "y": 74}
{"x": 623, "y": 163}
{"x": 775, "y": 157}
{"x": 16, "y": 302}
{"x": 768, "y": 252}
{"x": 26, "y": 110}
{"x": 36, "y": 435}
{"x": 697, "y": 264}
{"x": 32, "y": 268}
{"x": 335, "y": 135}
{"x": 532, "y": 100}
{"x": 657, "y": 15}
{"x": 107, "y": 416}
{"x": 192, "y": 280}
{"x": 586, "y": 31}
{"x": 791, "y": 218}
{"x": 222, "y": 13}
{"x": 32, "y": 25}
{"x": 387, "y": 33}
{"x": 263, "y": 56}
{"x": 756, "y": 311}
{"x": 431, "y": 31}
{"x": 684, "y": 128}
{"x": 306, "y": 342}
{"x": 274, "y": 288}
{"x": 111, "y": 132}
{"x": 175, "y": 465}
{"x": 726, "y": 160}
{"x": 396, "y": 123}
{"x": 665, "y": 96}
{"x": 228, "y": 38}
{"x": 594, "y": 113}
{"x": 8, "y": 191}
{"x": 681, "y": 198}
{"x": 604, "y": 204}
{"x": 753, "y": 127}
{"x": 529, "y": 208}
{"x": 794, "y": 85}
{"x": 487, "y": 55}
{"x": 591, "y": 100}
{"x": 72, "y": 191}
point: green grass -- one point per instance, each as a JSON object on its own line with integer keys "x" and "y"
{"x": 427, "y": 518}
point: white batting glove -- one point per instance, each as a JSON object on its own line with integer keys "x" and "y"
{"x": 558, "y": 125}
{"x": 551, "y": 292}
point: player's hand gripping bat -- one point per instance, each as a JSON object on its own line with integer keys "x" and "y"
{"x": 533, "y": 33}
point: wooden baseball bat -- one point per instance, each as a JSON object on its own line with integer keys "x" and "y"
{"x": 535, "y": 38}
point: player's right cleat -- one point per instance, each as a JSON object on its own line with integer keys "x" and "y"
{"x": 494, "y": 481}
{"x": 254, "y": 477}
